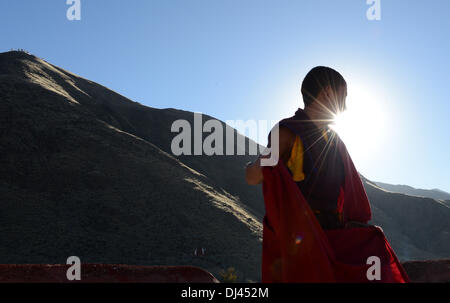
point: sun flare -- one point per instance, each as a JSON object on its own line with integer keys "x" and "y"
{"x": 362, "y": 125}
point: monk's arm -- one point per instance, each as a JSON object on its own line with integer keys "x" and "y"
{"x": 253, "y": 172}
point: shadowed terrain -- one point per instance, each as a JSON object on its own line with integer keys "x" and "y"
{"x": 418, "y": 228}
{"x": 85, "y": 171}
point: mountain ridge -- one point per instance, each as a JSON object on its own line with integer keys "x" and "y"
{"x": 435, "y": 193}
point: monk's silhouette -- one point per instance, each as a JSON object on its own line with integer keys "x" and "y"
{"x": 307, "y": 146}
{"x": 317, "y": 211}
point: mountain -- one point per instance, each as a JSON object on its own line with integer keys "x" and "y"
{"x": 85, "y": 171}
{"x": 408, "y": 190}
{"x": 418, "y": 228}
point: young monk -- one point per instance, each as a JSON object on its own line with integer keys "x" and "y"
{"x": 311, "y": 155}
{"x": 315, "y": 228}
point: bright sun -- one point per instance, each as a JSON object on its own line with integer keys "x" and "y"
{"x": 362, "y": 125}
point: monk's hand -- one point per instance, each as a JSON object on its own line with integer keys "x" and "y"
{"x": 253, "y": 173}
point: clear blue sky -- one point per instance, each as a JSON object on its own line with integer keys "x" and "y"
{"x": 246, "y": 59}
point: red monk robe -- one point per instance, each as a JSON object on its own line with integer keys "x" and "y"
{"x": 297, "y": 249}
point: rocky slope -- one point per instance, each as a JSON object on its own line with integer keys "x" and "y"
{"x": 81, "y": 174}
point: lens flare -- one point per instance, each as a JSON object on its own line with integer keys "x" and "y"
{"x": 298, "y": 239}
{"x": 362, "y": 125}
